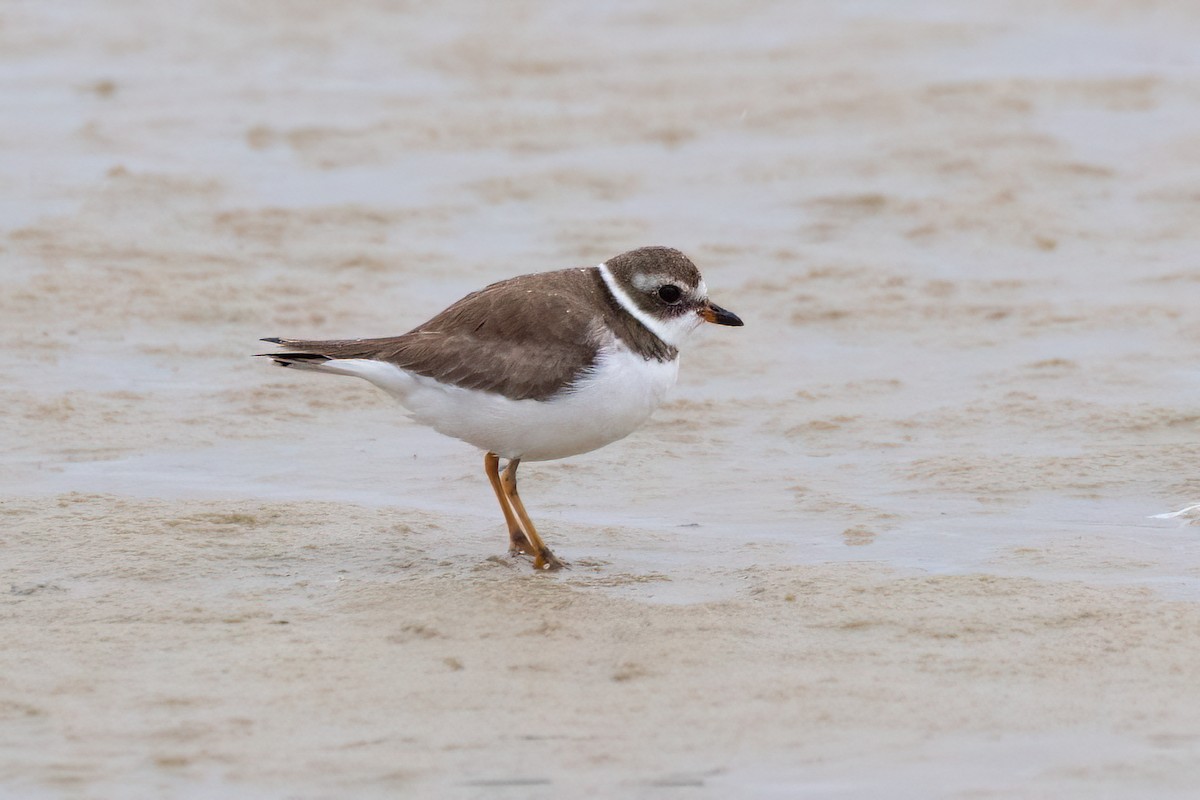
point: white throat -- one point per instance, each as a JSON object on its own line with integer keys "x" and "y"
{"x": 672, "y": 331}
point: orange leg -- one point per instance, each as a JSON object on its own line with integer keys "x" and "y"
{"x": 518, "y": 542}
{"x": 543, "y": 558}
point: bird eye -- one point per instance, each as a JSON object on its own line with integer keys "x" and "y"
{"x": 670, "y": 294}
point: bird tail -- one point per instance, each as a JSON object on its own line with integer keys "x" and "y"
{"x": 357, "y": 358}
{"x": 307, "y": 354}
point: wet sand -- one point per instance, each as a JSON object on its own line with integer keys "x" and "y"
{"x": 897, "y": 536}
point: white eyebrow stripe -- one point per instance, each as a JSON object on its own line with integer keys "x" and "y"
{"x": 644, "y": 283}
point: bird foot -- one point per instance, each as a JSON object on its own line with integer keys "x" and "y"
{"x": 518, "y": 544}
{"x": 548, "y": 562}
{"x": 543, "y": 560}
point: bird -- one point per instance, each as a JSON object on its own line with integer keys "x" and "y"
{"x": 537, "y": 367}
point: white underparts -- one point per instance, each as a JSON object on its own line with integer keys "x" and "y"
{"x": 672, "y": 330}
{"x": 607, "y": 403}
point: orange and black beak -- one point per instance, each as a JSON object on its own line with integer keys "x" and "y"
{"x": 711, "y": 312}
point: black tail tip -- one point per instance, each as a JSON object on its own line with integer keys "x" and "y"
{"x": 272, "y": 340}
{"x": 288, "y": 359}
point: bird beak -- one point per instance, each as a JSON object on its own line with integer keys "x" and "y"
{"x": 711, "y": 312}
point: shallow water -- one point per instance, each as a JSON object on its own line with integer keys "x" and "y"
{"x": 962, "y": 239}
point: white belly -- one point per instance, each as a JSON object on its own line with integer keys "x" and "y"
{"x": 608, "y": 404}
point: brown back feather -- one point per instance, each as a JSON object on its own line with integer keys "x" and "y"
{"x": 524, "y": 338}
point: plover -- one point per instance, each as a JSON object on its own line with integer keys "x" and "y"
{"x": 536, "y": 367}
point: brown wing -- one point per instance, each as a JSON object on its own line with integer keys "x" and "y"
{"x": 524, "y": 338}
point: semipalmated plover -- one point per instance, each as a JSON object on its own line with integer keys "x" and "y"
{"x": 536, "y": 367}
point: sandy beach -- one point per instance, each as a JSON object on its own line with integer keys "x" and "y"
{"x": 911, "y": 532}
